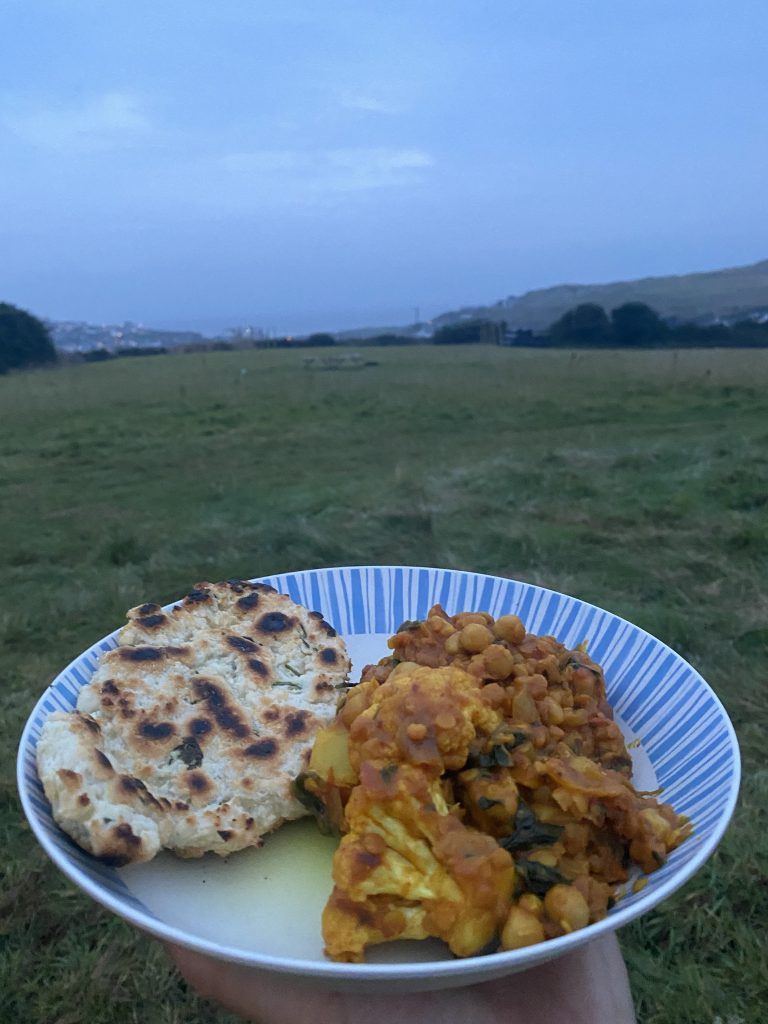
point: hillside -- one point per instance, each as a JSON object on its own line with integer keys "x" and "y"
{"x": 702, "y": 297}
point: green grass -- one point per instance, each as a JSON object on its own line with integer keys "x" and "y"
{"x": 637, "y": 481}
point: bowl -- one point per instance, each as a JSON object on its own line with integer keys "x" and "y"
{"x": 262, "y": 907}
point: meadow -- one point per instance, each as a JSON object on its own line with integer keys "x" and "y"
{"x": 635, "y": 480}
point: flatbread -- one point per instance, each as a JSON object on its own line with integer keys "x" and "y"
{"x": 191, "y": 731}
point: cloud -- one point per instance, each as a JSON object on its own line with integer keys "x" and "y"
{"x": 369, "y": 104}
{"x": 247, "y": 179}
{"x": 109, "y": 120}
{"x": 370, "y": 168}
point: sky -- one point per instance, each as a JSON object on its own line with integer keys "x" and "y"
{"x": 302, "y": 166}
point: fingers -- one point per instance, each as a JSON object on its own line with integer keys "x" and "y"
{"x": 587, "y": 986}
{"x": 254, "y": 995}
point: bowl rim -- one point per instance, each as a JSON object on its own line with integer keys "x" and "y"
{"x": 506, "y": 961}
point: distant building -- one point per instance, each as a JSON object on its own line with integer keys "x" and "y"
{"x": 423, "y": 332}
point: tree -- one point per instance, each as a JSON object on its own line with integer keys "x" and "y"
{"x": 469, "y": 332}
{"x": 587, "y": 324}
{"x": 636, "y": 324}
{"x": 24, "y": 340}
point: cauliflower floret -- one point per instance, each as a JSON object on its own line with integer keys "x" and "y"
{"x": 408, "y": 868}
{"x": 431, "y": 718}
{"x": 421, "y": 716}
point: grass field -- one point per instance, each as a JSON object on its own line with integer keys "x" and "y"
{"x": 637, "y": 481}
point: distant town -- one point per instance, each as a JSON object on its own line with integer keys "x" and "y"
{"x": 73, "y": 337}
{"x": 76, "y": 336}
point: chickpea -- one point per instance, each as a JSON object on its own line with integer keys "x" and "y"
{"x": 440, "y": 626}
{"x": 550, "y": 668}
{"x": 537, "y": 686}
{"x": 476, "y": 666}
{"x": 539, "y": 737}
{"x": 453, "y": 645}
{"x": 464, "y": 618}
{"x": 552, "y": 713}
{"x": 524, "y": 708}
{"x": 509, "y": 628}
{"x": 498, "y": 661}
{"x": 530, "y": 903}
{"x": 356, "y": 701}
{"x": 574, "y": 719}
{"x": 475, "y": 637}
{"x": 567, "y": 907}
{"x": 563, "y": 697}
{"x": 522, "y": 928}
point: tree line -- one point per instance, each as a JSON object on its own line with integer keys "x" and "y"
{"x": 631, "y": 325}
{"x": 26, "y": 342}
{"x": 637, "y": 325}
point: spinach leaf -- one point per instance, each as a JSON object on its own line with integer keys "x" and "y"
{"x": 305, "y": 796}
{"x": 538, "y": 878}
{"x": 528, "y": 832}
{"x": 574, "y": 663}
{"x": 409, "y": 624}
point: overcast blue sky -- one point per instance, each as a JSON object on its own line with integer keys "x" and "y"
{"x": 301, "y": 165}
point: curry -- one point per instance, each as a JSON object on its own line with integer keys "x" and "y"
{"x": 482, "y": 791}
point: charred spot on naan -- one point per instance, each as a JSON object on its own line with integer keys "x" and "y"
{"x": 122, "y": 846}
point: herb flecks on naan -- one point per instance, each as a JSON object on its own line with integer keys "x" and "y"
{"x": 190, "y": 732}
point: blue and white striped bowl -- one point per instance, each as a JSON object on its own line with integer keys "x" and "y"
{"x": 685, "y": 745}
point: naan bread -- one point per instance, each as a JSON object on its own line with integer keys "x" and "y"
{"x": 191, "y": 731}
